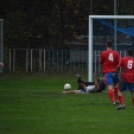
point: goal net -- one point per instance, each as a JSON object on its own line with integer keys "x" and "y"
{"x": 1, "y": 44}
{"x": 118, "y": 29}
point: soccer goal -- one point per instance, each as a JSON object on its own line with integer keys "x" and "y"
{"x": 117, "y": 28}
{"x": 1, "y": 43}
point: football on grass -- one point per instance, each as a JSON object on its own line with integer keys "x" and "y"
{"x": 67, "y": 86}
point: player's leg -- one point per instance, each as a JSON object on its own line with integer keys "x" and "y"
{"x": 90, "y": 88}
{"x": 109, "y": 81}
{"x": 132, "y": 92}
{"x": 116, "y": 93}
{"x": 111, "y": 94}
{"x": 82, "y": 86}
{"x": 79, "y": 80}
{"x": 122, "y": 87}
{"x": 116, "y": 88}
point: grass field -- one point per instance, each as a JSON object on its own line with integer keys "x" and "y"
{"x": 34, "y": 105}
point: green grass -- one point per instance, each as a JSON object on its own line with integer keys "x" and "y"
{"x": 34, "y": 105}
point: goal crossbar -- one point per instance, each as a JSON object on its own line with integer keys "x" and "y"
{"x": 90, "y": 38}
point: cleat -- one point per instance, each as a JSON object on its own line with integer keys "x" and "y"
{"x": 121, "y": 107}
{"x": 114, "y": 103}
{"x": 117, "y": 102}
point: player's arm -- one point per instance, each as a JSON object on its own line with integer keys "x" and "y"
{"x": 100, "y": 62}
{"x": 96, "y": 82}
{"x": 101, "y": 59}
{"x": 68, "y": 92}
{"x": 117, "y": 69}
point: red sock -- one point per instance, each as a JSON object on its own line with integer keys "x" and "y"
{"x": 111, "y": 95}
{"x": 121, "y": 99}
{"x": 133, "y": 101}
{"x": 116, "y": 94}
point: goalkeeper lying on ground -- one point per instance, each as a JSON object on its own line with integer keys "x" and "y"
{"x": 88, "y": 87}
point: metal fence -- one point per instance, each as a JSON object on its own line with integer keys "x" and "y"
{"x": 31, "y": 60}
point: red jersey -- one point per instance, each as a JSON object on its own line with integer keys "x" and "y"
{"x": 109, "y": 60}
{"x": 127, "y": 69}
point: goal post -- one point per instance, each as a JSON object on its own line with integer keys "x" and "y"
{"x": 1, "y": 43}
{"x": 90, "y": 37}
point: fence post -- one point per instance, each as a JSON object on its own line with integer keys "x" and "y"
{"x": 27, "y": 55}
{"x": 14, "y": 59}
{"x": 10, "y": 68}
{"x": 40, "y": 60}
{"x": 44, "y": 61}
{"x": 31, "y": 59}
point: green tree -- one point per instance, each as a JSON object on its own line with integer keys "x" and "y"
{"x": 50, "y": 24}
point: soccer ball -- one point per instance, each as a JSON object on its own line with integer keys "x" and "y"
{"x": 67, "y": 86}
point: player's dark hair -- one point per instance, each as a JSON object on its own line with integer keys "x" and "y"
{"x": 130, "y": 52}
{"x": 109, "y": 44}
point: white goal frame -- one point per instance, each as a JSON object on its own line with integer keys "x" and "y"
{"x": 90, "y": 38}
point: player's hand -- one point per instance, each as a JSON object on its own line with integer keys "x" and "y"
{"x": 114, "y": 74}
{"x": 95, "y": 76}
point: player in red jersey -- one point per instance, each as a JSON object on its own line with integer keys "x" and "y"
{"x": 109, "y": 60}
{"x": 126, "y": 77}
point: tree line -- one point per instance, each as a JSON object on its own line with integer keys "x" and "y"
{"x": 50, "y": 24}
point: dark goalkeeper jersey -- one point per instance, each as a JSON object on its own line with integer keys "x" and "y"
{"x": 102, "y": 85}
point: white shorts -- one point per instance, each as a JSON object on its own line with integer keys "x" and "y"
{"x": 88, "y": 90}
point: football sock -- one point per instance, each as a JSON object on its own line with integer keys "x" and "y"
{"x": 111, "y": 95}
{"x": 121, "y": 99}
{"x": 116, "y": 94}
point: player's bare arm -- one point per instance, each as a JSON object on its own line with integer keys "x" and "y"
{"x": 96, "y": 81}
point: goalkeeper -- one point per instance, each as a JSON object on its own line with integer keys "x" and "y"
{"x": 88, "y": 87}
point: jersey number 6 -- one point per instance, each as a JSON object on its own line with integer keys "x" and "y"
{"x": 130, "y": 64}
